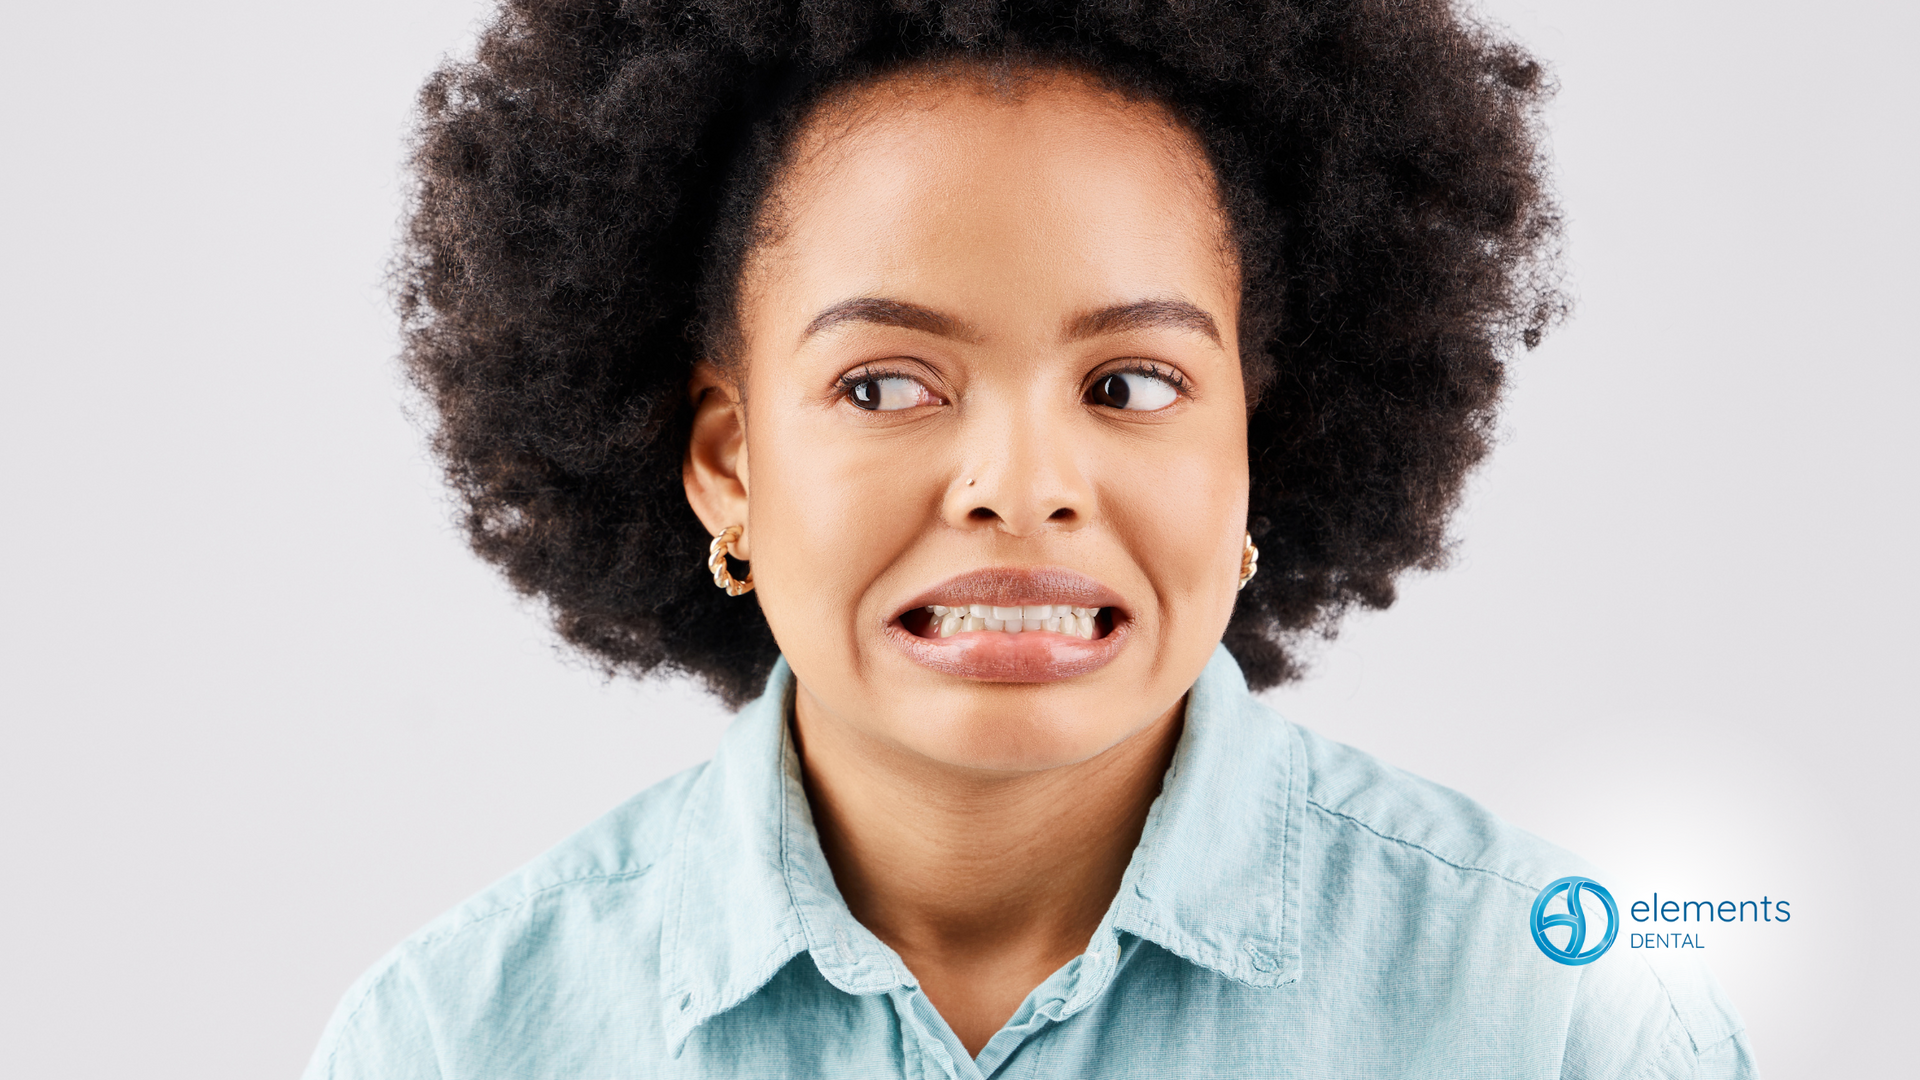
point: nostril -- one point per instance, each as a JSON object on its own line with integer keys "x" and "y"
{"x": 981, "y": 513}
{"x": 1061, "y": 514}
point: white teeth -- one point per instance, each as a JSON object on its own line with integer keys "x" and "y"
{"x": 1080, "y": 622}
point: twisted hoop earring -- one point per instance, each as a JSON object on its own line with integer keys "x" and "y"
{"x": 717, "y": 553}
{"x": 1249, "y": 562}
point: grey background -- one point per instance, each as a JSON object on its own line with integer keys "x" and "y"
{"x": 261, "y": 715}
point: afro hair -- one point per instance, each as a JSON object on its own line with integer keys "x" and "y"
{"x": 586, "y": 186}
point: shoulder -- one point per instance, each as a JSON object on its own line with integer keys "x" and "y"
{"x": 587, "y": 906}
{"x": 1665, "y": 1015}
{"x": 621, "y": 846}
{"x": 1354, "y": 792}
{"x": 1428, "y": 855}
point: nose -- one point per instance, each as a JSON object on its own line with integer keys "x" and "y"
{"x": 1034, "y": 483}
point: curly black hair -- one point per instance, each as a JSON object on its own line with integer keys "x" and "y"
{"x": 587, "y": 185}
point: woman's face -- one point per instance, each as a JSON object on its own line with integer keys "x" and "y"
{"x": 989, "y": 362}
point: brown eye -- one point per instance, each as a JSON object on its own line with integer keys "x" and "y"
{"x": 885, "y": 393}
{"x": 1135, "y": 391}
{"x": 1111, "y": 391}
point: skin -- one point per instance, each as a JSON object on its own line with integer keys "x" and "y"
{"x": 962, "y": 236}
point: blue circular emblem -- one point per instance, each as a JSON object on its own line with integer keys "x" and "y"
{"x": 1575, "y": 950}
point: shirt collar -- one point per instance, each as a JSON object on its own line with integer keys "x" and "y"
{"x": 748, "y": 887}
{"x": 1215, "y": 879}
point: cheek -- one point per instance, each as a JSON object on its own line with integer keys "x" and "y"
{"x": 1180, "y": 511}
{"x": 829, "y": 515}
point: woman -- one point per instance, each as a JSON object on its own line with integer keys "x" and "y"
{"x": 1037, "y": 374}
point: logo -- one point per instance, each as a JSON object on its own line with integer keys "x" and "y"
{"x": 1574, "y": 951}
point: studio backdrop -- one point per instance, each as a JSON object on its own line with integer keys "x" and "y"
{"x": 262, "y": 715}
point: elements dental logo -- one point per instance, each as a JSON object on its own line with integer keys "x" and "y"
{"x": 1574, "y": 952}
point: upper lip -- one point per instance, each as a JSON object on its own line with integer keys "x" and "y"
{"x": 1017, "y": 586}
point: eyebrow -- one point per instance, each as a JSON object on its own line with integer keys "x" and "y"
{"x": 1144, "y": 315}
{"x": 1116, "y": 319}
{"x": 883, "y": 312}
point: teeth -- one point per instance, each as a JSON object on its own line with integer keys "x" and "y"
{"x": 1056, "y": 618}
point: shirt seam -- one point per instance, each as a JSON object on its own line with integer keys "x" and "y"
{"x": 786, "y": 829}
{"x": 528, "y": 898}
{"x": 806, "y": 935}
{"x": 390, "y": 971}
{"x": 1291, "y": 907}
{"x": 1700, "y": 1049}
{"x": 1680, "y": 1040}
{"x": 1678, "y": 1020}
{"x": 1423, "y": 849}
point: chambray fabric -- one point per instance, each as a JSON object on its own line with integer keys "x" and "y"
{"x": 1295, "y": 908}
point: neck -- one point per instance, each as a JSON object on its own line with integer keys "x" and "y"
{"x": 985, "y": 884}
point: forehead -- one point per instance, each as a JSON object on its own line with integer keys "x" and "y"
{"x": 1001, "y": 105}
{"x": 970, "y": 182}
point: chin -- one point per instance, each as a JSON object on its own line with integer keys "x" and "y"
{"x": 1019, "y": 729}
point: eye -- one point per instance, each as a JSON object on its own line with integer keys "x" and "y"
{"x": 886, "y": 393}
{"x": 1135, "y": 391}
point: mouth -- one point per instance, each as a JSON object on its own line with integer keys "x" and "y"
{"x": 1013, "y": 624}
{"x": 941, "y": 621}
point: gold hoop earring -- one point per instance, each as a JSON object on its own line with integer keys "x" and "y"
{"x": 717, "y": 553}
{"x": 1249, "y": 562}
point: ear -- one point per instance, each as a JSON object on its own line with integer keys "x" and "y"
{"x": 715, "y": 470}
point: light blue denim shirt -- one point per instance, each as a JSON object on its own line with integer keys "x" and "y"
{"x": 1295, "y": 908}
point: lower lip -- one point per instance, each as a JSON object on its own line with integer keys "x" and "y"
{"x": 1034, "y": 656}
